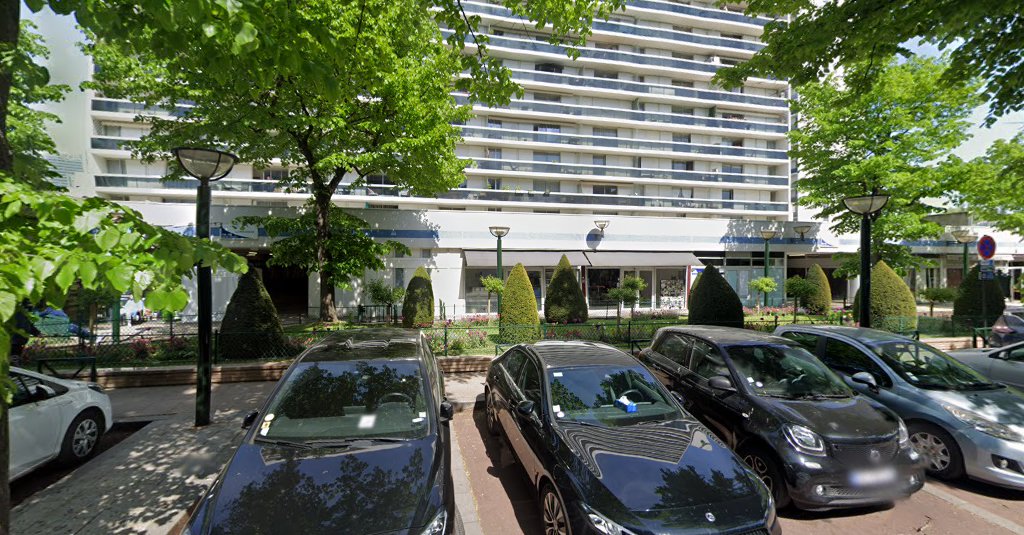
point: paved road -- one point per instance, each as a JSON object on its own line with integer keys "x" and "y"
{"x": 508, "y": 505}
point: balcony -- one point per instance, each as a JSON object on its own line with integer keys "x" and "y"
{"x": 702, "y": 12}
{"x": 617, "y": 201}
{"x": 617, "y": 143}
{"x": 111, "y": 143}
{"x": 155, "y": 182}
{"x": 519, "y": 166}
{"x": 641, "y": 116}
{"x": 134, "y": 108}
{"x": 637, "y": 87}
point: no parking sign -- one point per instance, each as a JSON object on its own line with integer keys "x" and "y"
{"x": 986, "y": 247}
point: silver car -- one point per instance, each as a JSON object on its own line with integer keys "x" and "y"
{"x": 962, "y": 422}
{"x": 1003, "y": 364}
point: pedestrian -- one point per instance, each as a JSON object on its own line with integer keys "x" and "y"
{"x": 23, "y": 328}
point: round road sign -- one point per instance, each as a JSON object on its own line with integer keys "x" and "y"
{"x": 986, "y": 247}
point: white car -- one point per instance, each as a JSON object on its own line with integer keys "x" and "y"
{"x": 54, "y": 418}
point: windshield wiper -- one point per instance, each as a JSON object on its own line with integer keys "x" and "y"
{"x": 581, "y": 422}
{"x": 823, "y": 396}
{"x": 285, "y": 443}
{"x": 779, "y": 396}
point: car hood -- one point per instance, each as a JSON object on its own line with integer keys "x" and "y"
{"x": 853, "y": 418}
{"x": 270, "y": 489}
{"x": 1004, "y": 405}
{"x": 664, "y": 475}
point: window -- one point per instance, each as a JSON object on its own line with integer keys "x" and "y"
{"x": 116, "y": 167}
{"x": 606, "y": 190}
{"x": 600, "y": 159}
{"x": 399, "y": 277}
{"x": 492, "y": 153}
{"x": 550, "y": 157}
{"x": 808, "y": 341}
{"x": 607, "y": 46}
{"x": 494, "y": 209}
{"x": 548, "y": 67}
{"x": 513, "y": 364}
{"x": 680, "y": 55}
{"x": 282, "y": 174}
{"x": 679, "y": 165}
{"x": 111, "y": 130}
{"x": 372, "y": 180}
{"x": 732, "y": 36}
{"x": 546, "y": 185}
{"x": 733, "y": 116}
{"x": 732, "y": 142}
{"x": 553, "y": 128}
{"x": 540, "y": 211}
{"x": 24, "y": 385}
{"x": 682, "y": 83}
{"x": 728, "y": 194}
{"x": 493, "y": 123}
{"x": 685, "y": 193}
{"x": 606, "y": 132}
{"x": 675, "y": 348}
{"x": 680, "y": 138}
{"x": 706, "y": 362}
{"x": 547, "y": 97}
{"x": 529, "y": 384}
{"x": 1015, "y": 355}
{"x": 606, "y": 74}
{"x": 845, "y": 358}
{"x": 731, "y": 168}
{"x": 493, "y": 183}
{"x": 679, "y": 110}
{"x": 682, "y": 29}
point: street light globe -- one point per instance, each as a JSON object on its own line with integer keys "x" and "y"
{"x": 964, "y": 235}
{"x": 498, "y": 232}
{"x": 769, "y": 233}
{"x": 205, "y": 164}
{"x": 866, "y": 204}
{"x": 802, "y": 229}
{"x": 601, "y": 224}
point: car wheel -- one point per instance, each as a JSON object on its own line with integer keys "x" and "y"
{"x": 765, "y": 466}
{"x": 82, "y": 436}
{"x": 554, "y": 513}
{"x": 944, "y": 458}
{"x": 491, "y": 414}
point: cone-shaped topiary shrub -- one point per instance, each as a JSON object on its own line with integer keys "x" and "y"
{"x": 967, "y": 309}
{"x": 893, "y": 307}
{"x": 565, "y": 302}
{"x": 714, "y": 302}
{"x": 519, "y": 319}
{"x": 418, "y": 306}
{"x": 820, "y": 302}
{"x": 250, "y": 328}
{"x": 689, "y": 295}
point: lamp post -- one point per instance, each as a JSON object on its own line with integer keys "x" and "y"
{"x": 802, "y": 229}
{"x": 207, "y": 165}
{"x": 965, "y": 237}
{"x": 499, "y": 232}
{"x": 767, "y": 234}
{"x": 867, "y": 206}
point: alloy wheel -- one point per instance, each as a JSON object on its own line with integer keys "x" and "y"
{"x": 85, "y": 437}
{"x": 933, "y": 448}
{"x": 554, "y": 516}
{"x": 760, "y": 468}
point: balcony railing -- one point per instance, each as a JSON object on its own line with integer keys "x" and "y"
{"x": 111, "y": 143}
{"x": 630, "y": 115}
{"x": 637, "y": 87}
{"x": 699, "y": 12}
{"x": 631, "y": 29}
{"x": 152, "y": 182}
{"x": 99, "y": 104}
{"x": 618, "y": 143}
{"x": 611, "y": 200}
{"x": 627, "y": 172}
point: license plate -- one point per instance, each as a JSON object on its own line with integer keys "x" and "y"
{"x": 872, "y": 478}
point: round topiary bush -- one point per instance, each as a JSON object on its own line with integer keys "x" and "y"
{"x": 714, "y": 302}
{"x": 250, "y": 328}
{"x": 819, "y": 302}
{"x": 565, "y": 302}
{"x": 967, "y": 308}
{"x": 418, "y": 306}
{"x": 893, "y": 307}
{"x": 519, "y": 319}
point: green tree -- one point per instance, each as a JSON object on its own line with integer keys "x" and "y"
{"x": 418, "y": 306}
{"x": 626, "y": 293}
{"x": 693, "y": 284}
{"x": 382, "y": 293}
{"x": 820, "y": 302}
{"x": 895, "y": 138}
{"x": 893, "y": 307}
{"x": 250, "y": 328}
{"x": 565, "y": 302}
{"x": 801, "y": 290}
{"x": 714, "y": 302}
{"x": 494, "y": 286}
{"x": 992, "y": 185}
{"x": 519, "y": 318}
{"x": 938, "y": 295}
{"x": 811, "y": 39}
{"x": 763, "y": 286}
{"x": 980, "y": 302}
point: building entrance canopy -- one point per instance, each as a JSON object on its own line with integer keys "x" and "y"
{"x": 489, "y": 258}
{"x": 641, "y": 259}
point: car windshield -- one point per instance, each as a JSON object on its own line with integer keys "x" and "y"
{"x": 925, "y": 367}
{"x": 322, "y": 401}
{"x": 609, "y": 396}
{"x": 779, "y": 370}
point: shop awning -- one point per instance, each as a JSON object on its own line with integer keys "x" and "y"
{"x": 641, "y": 259}
{"x": 509, "y": 258}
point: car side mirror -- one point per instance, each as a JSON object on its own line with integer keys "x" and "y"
{"x": 679, "y": 397}
{"x": 525, "y": 407}
{"x": 722, "y": 383}
{"x": 447, "y": 411}
{"x": 249, "y": 419}
{"x": 865, "y": 378}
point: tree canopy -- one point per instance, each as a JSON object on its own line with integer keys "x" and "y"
{"x": 992, "y": 186}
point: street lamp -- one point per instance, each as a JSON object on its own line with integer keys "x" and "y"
{"x": 867, "y": 206}
{"x": 499, "y": 232}
{"x": 802, "y": 229}
{"x": 768, "y": 234}
{"x": 966, "y": 237}
{"x": 601, "y": 224}
{"x": 207, "y": 165}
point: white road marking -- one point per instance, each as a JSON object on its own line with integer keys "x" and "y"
{"x": 979, "y": 512}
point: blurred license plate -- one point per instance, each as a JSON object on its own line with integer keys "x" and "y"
{"x": 872, "y": 478}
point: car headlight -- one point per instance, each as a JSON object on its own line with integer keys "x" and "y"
{"x": 983, "y": 424}
{"x": 604, "y": 524}
{"x": 437, "y": 525}
{"x": 804, "y": 440}
{"x": 904, "y": 434}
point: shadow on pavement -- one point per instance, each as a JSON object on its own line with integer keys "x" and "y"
{"x": 981, "y": 488}
{"x": 793, "y": 513}
{"x": 510, "y": 474}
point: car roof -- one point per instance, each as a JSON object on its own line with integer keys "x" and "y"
{"x": 857, "y": 333}
{"x": 727, "y": 335}
{"x": 558, "y": 354}
{"x": 365, "y": 344}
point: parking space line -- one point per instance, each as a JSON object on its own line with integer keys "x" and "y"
{"x": 979, "y": 512}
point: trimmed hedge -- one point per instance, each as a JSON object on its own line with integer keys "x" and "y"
{"x": 819, "y": 302}
{"x": 565, "y": 302}
{"x": 714, "y": 302}
{"x": 418, "y": 306}
{"x": 893, "y": 307}
{"x": 250, "y": 325}
{"x": 519, "y": 319}
{"x": 968, "y": 306}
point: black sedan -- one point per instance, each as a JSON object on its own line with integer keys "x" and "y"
{"x": 610, "y": 451}
{"x": 353, "y": 439}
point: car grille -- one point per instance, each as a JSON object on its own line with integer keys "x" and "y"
{"x": 755, "y": 532}
{"x": 860, "y": 454}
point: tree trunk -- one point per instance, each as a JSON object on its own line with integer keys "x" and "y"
{"x": 323, "y": 256}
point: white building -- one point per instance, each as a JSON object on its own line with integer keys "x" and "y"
{"x": 632, "y": 133}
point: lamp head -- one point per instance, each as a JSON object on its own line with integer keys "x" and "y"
{"x": 866, "y": 204}
{"x": 769, "y": 233}
{"x": 964, "y": 235}
{"x": 205, "y": 164}
{"x": 498, "y": 232}
{"x": 601, "y": 224}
